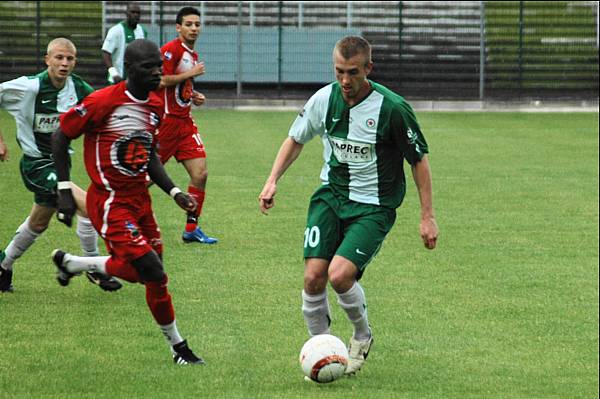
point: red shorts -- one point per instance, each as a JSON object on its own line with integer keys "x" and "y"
{"x": 126, "y": 223}
{"x": 179, "y": 137}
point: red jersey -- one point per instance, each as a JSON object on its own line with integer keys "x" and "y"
{"x": 178, "y": 58}
{"x": 119, "y": 132}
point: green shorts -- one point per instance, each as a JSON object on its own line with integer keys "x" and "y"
{"x": 39, "y": 176}
{"x": 338, "y": 226}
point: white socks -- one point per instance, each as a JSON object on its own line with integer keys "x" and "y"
{"x": 354, "y": 303}
{"x": 76, "y": 264}
{"x": 23, "y": 239}
{"x": 316, "y": 313}
{"x": 171, "y": 333}
{"x": 87, "y": 236}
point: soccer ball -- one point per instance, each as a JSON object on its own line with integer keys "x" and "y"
{"x": 324, "y": 358}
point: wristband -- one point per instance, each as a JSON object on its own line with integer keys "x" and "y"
{"x": 174, "y": 191}
{"x": 63, "y": 185}
{"x": 112, "y": 72}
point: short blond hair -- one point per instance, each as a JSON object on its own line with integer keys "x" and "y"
{"x": 350, "y": 46}
{"x": 61, "y": 42}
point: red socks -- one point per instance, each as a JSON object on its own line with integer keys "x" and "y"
{"x": 159, "y": 301}
{"x": 192, "y": 217}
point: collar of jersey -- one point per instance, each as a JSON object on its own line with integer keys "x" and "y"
{"x": 137, "y": 100}
{"x": 191, "y": 50}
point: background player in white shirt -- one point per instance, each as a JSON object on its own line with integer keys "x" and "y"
{"x": 117, "y": 39}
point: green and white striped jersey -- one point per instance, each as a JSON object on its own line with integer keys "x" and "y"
{"x": 36, "y": 106}
{"x": 364, "y": 145}
{"x": 117, "y": 39}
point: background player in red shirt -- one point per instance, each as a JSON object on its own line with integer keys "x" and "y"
{"x": 178, "y": 135}
{"x": 119, "y": 123}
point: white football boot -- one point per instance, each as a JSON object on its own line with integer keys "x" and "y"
{"x": 358, "y": 352}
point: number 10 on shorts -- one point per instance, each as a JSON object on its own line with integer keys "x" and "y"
{"x": 312, "y": 235}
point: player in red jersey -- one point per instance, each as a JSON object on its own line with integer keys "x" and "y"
{"x": 119, "y": 123}
{"x": 178, "y": 135}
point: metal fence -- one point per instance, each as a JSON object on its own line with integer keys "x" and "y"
{"x": 421, "y": 49}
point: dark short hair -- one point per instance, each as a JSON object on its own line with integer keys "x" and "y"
{"x": 184, "y": 12}
{"x": 350, "y": 46}
{"x": 138, "y": 49}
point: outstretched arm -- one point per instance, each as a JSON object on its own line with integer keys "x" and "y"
{"x": 159, "y": 176}
{"x": 428, "y": 226}
{"x": 287, "y": 154}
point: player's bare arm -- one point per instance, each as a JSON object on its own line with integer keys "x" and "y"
{"x": 3, "y": 149}
{"x": 287, "y": 154}
{"x": 173, "y": 80}
{"x": 157, "y": 173}
{"x": 428, "y": 227}
{"x": 107, "y": 58}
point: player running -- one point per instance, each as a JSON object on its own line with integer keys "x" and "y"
{"x": 367, "y": 131}
{"x": 119, "y": 123}
{"x": 178, "y": 135}
{"x": 36, "y": 103}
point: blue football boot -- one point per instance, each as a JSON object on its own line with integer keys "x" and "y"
{"x": 198, "y": 236}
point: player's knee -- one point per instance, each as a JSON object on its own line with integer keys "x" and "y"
{"x": 341, "y": 280}
{"x": 149, "y": 267}
{"x": 38, "y": 226}
{"x": 314, "y": 282}
{"x": 199, "y": 179}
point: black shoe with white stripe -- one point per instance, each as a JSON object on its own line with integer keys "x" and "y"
{"x": 107, "y": 283}
{"x": 184, "y": 355}
{"x": 63, "y": 276}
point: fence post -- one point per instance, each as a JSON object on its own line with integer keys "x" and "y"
{"x": 161, "y": 23}
{"x": 103, "y": 19}
{"x": 399, "y": 44}
{"x": 481, "y": 49}
{"x": 279, "y": 45}
{"x": 349, "y": 11}
{"x": 38, "y": 49}
{"x": 520, "y": 54}
{"x": 239, "y": 52}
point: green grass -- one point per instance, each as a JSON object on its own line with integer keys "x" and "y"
{"x": 505, "y": 307}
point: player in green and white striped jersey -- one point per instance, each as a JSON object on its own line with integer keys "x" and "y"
{"x": 36, "y": 103}
{"x": 117, "y": 39}
{"x": 367, "y": 132}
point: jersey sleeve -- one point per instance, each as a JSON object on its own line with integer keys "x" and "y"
{"x": 81, "y": 118}
{"x": 18, "y": 93}
{"x": 112, "y": 40}
{"x": 171, "y": 58}
{"x": 310, "y": 122}
{"x": 408, "y": 133}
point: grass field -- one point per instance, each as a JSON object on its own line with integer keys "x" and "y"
{"x": 505, "y": 307}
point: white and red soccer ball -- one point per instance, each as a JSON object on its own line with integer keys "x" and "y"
{"x": 324, "y": 358}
